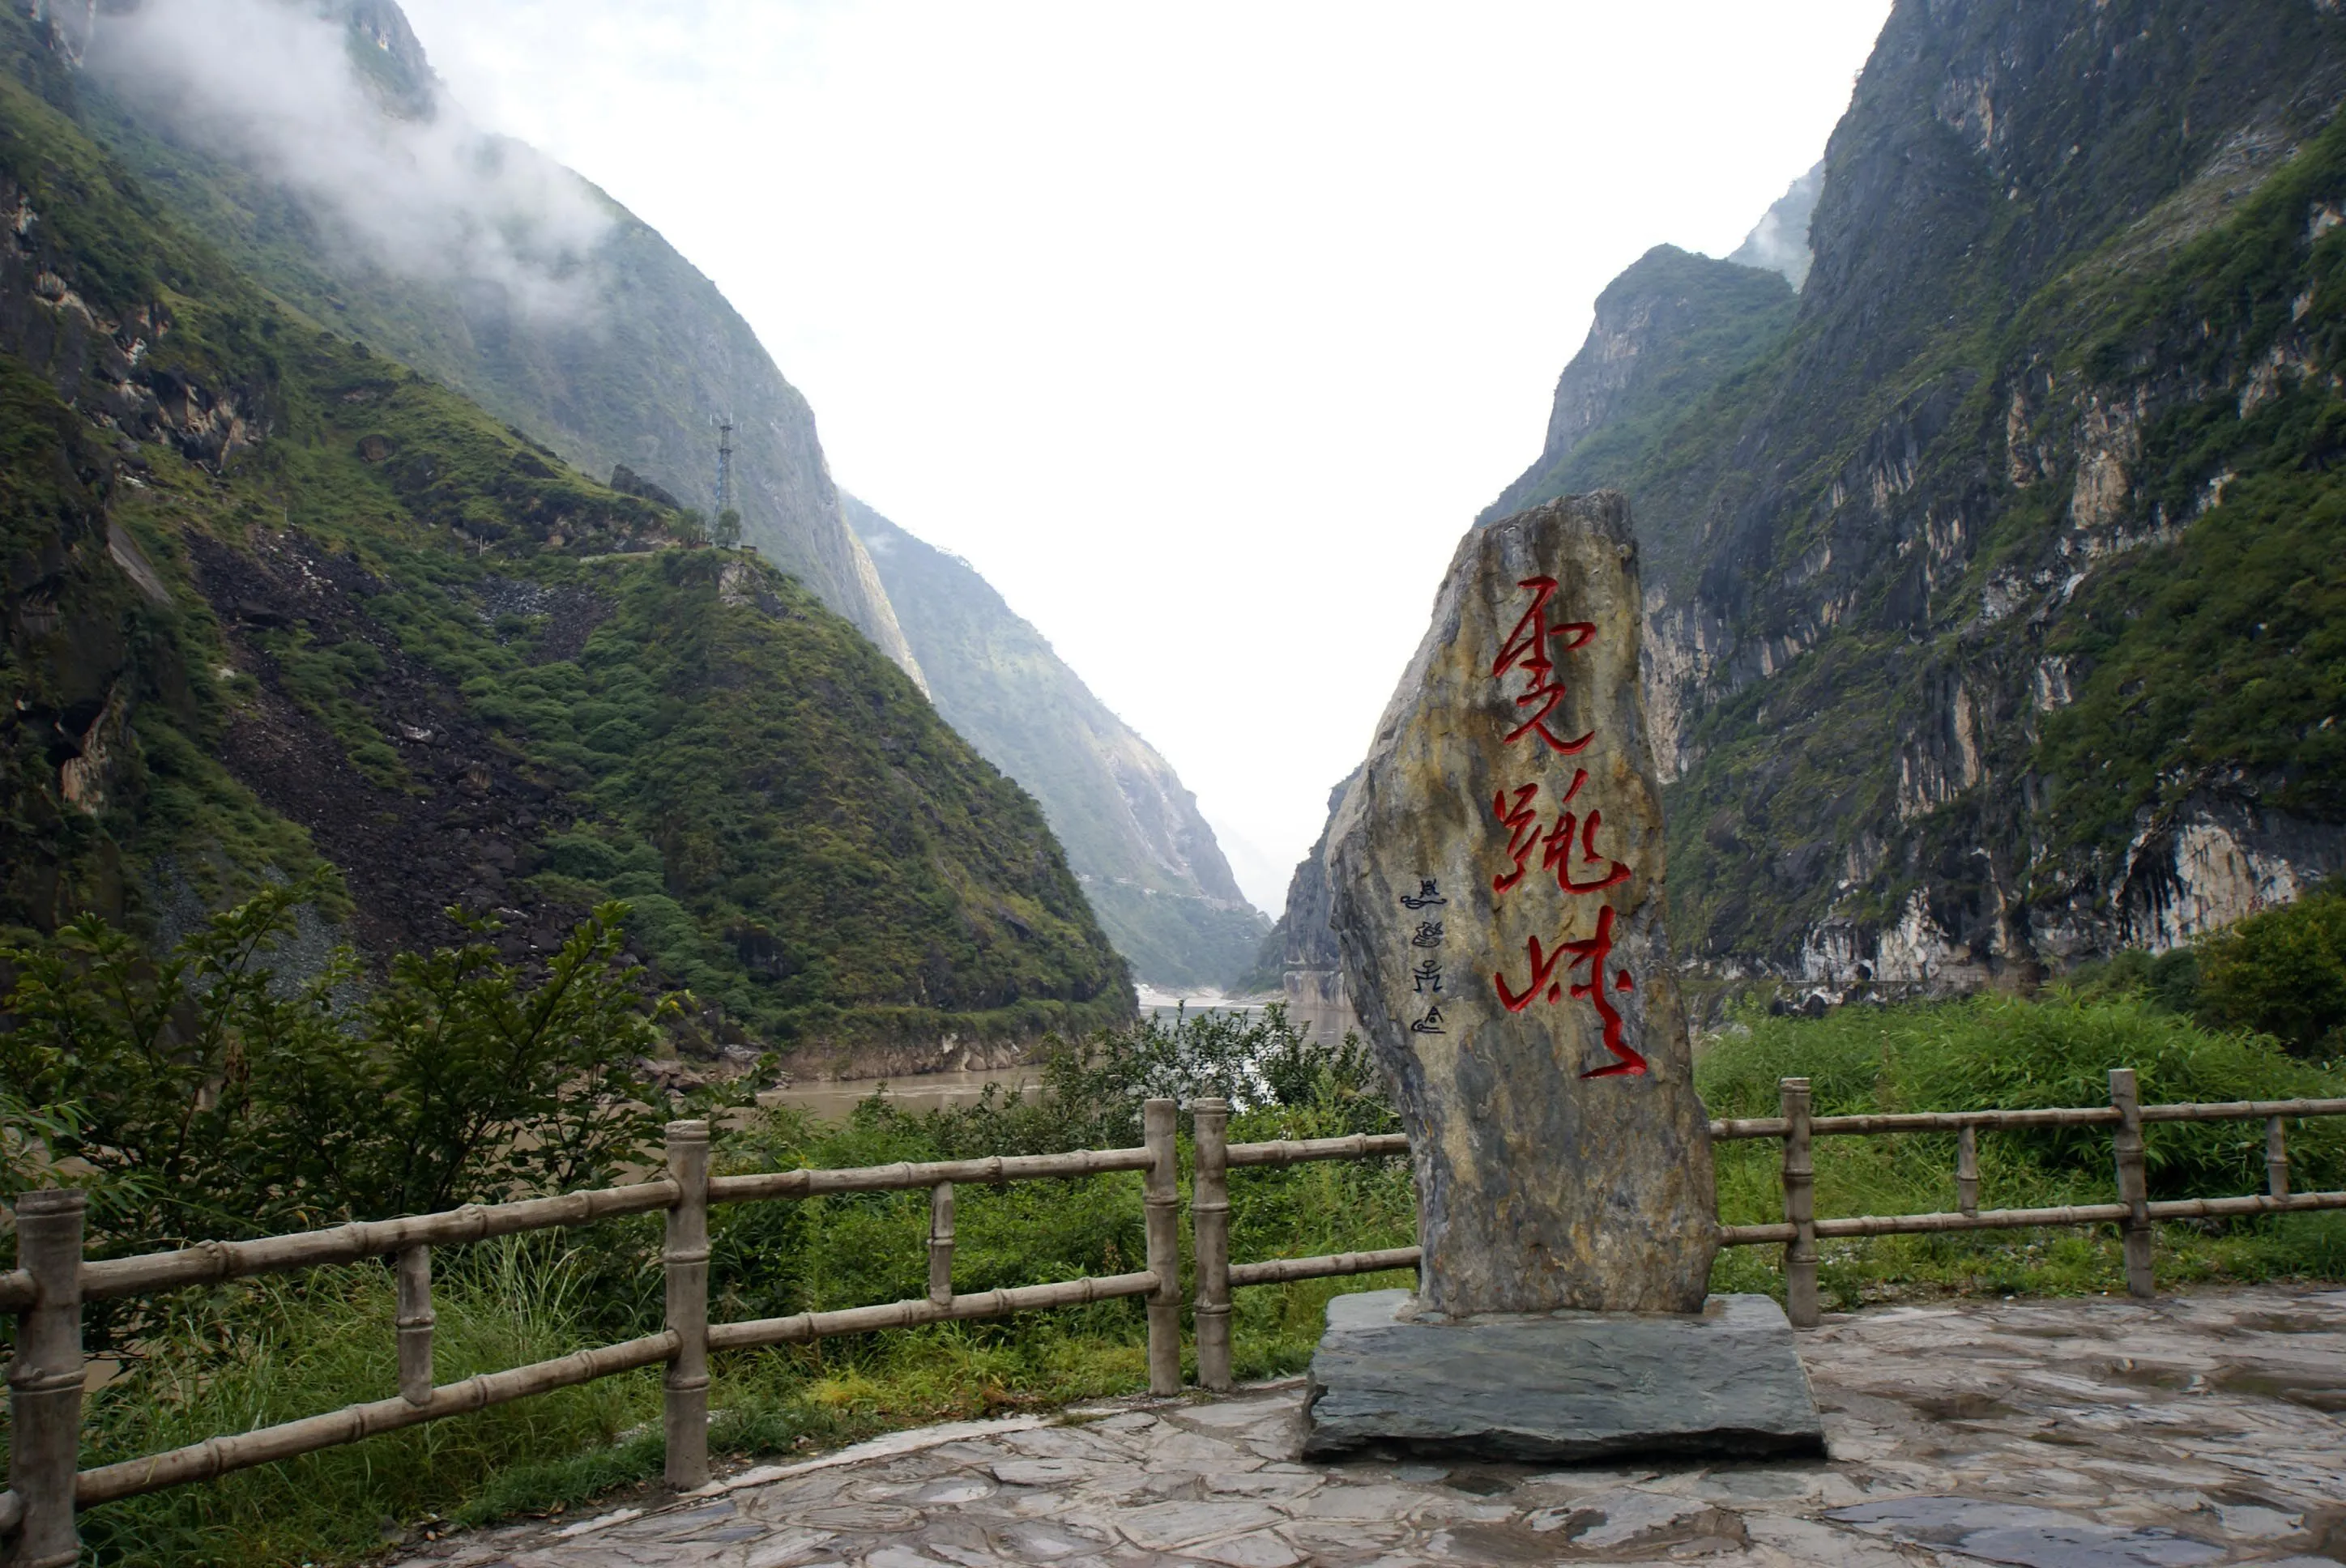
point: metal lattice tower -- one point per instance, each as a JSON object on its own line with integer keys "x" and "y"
{"x": 724, "y": 465}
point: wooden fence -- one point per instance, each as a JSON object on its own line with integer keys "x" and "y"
{"x": 52, "y": 1281}
{"x": 1800, "y": 1229}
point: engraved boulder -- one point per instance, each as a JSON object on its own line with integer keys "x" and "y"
{"x": 1497, "y": 888}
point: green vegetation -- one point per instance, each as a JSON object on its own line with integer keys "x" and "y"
{"x": 2015, "y": 547}
{"x": 243, "y": 1355}
{"x": 2003, "y": 1051}
{"x": 275, "y": 1350}
{"x": 467, "y": 672}
{"x": 2282, "y": 973}
{"x": 2225, "y": 648}
{"x": 207, "y": 1095}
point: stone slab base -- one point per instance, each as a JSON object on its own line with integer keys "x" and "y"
{"x": 1562, "y": 1385}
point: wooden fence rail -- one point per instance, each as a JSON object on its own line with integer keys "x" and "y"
{"x": 48, "y": 1290}
{"x": 47, "y": 1293}
{"x": 1800, "y": 1230}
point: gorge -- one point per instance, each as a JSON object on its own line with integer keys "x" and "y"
{"x": 1992, "y": 594}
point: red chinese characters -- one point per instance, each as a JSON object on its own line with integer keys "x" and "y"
{"x": 1592, "y": 873}
{"x": 1592, "y": 951}
{"x": 1527, "y": 649}
{"x": 1580, "y": 967}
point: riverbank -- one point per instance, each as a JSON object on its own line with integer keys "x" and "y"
{"x": 951, "y": 1077}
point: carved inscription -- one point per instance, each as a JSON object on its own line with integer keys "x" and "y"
{"x": 1567, "y": 840}
{"x": 1428, "y": 971}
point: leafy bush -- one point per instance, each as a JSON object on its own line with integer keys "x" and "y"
{"x": 212, "y": 1095}
{"x": 2283, "y": 974}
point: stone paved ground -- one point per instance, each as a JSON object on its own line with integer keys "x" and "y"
{"x": 2090, "y": 1433}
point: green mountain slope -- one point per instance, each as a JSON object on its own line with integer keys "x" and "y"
{"x": 1668, "y": 331}
{"x": 1148, "y": 860}
{"x": 1992, "y": 604}
{"x": 628, "y": 362}
{"x": 272, "y": 600}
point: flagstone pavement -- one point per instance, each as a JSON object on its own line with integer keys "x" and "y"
{"x": 2096, "y": 1433}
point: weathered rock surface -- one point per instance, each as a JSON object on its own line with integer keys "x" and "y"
{"x": 1567, "y": 1386}
{"x": 1900, "y": 587}
{"x": 1497, "y": 885}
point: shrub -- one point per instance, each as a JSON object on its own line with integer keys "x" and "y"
{"x": 211, "y": 1094}
{"x": 2283, "y": 974}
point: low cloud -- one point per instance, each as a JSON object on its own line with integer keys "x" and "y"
{"x": 405, "y": 182}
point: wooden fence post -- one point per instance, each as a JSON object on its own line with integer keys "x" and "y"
{"x": 2134, "y": 1185}
{"x": 684, "y": 1259}
{"x": 44, "y": 1381}
{"x": 1967, "y": 1170}
{"x": 414, "y": 1321}
{"x": 941, "y": 1243}
{"x": 1209, "y": 1216}
{"x": 1161, "y": 1206}
{"x": 2276, "y": 1157}
{"x": 1799, "y": 1207}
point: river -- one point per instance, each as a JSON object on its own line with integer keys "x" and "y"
{"x": 830, "y": 1100}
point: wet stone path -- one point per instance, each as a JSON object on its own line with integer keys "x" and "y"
{"x": 2096, "y": 1433}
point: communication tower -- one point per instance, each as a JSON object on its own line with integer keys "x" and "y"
{"x": 724, "y": 465}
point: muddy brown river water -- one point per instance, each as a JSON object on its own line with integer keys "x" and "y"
{"x": 832, "y": 1100}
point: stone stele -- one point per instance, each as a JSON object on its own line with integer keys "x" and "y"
{"x": 1497, "y": 888}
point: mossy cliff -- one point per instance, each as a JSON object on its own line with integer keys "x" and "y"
{"x": 586, "y": 332}
{"x": 1996, "y": 592}
{"x": 631, "y": 362}
{"x": 272, "y": 599}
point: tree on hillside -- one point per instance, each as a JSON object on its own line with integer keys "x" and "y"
{"x": 728, "y": 531}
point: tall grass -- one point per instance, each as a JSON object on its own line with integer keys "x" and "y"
{"x": 228, "y": 1360}
{"x": 2007, "y": 1052}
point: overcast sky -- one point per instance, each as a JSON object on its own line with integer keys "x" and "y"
{"x": 1202, "y": 331}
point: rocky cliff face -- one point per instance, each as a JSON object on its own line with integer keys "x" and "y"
{"x": 1992, "y": 586}
{"x": 615, "y": 351}
{"x": 1667, "y": 331}
{"x": 1779, "y": 241}
{"x": 1299, "y": 958}
{"x": 1148, "y": 860}
{"x": 1990, "y": 597}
